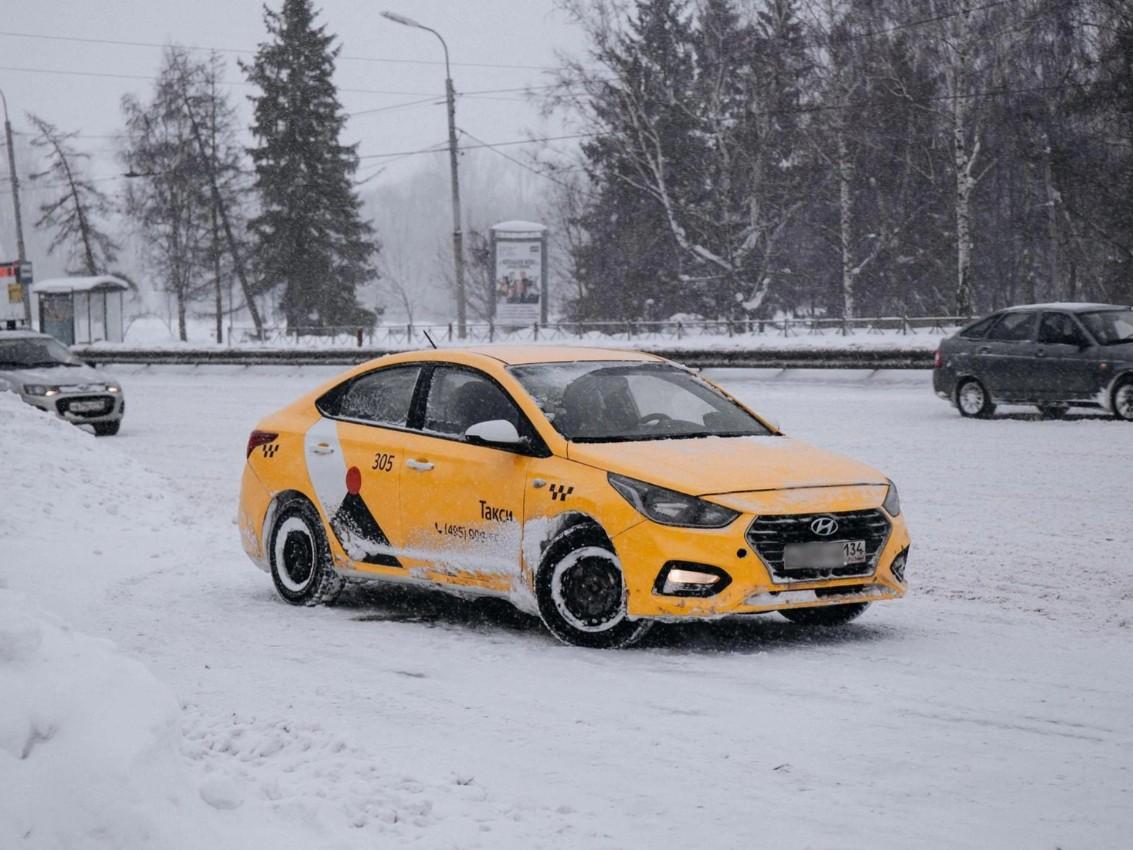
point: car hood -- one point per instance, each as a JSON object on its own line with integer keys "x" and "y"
{"x": 715, "y": 465}
{"x": 57, "y": 376}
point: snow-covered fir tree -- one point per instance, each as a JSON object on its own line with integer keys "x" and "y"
{"x": 310, "y": 237}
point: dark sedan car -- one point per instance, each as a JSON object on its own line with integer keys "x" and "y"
{"x": 1053, "y": 356}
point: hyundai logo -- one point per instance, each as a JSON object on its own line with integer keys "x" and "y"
{"x": 824, "y": 526}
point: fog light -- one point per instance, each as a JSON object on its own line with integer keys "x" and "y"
{"x": 898, "y": 566}
{"x": 681, "y": 578}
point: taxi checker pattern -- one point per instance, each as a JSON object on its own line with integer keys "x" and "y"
{"x": 665, "y": 499}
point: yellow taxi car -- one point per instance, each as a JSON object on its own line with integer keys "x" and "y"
{"x": 603, "y": 490}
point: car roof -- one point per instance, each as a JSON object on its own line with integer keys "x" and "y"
{"x": 515, "y": 355}
{"x": 1065, "y": 306}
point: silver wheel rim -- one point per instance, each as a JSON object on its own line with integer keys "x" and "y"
{"x": 971, "y": 397}
{"x": 289, "y": 529}
{"x": 1123, "y": 401}
{"x": 557, "y": 589}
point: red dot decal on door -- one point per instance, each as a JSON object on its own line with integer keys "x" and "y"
{"x": 353, "y": 480}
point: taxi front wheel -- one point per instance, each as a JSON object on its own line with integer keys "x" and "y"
{"x": 300, "y": 557}
{"x": 581, "y": 594}
{"x": 827, "y": 615}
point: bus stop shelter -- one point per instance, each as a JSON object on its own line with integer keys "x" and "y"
{"x": 81, "y": 310}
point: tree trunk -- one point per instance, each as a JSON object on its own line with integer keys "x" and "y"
{"x": 182, "y": 331}
{"x": 1051, "y": 218}
{"x": 846, "y": 222}
{"x": 216, "y": 274}
{"x": 965, "y": 161}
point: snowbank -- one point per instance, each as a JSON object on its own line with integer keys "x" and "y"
{"x": 88, "y": 744}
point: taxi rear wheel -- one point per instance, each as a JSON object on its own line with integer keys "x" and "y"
{"x": 827, "y": 615}
{"x": 300, "y": 557}
{"x": 581, "y": 593}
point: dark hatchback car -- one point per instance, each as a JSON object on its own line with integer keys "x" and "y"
{"x": 1053, "y": 356}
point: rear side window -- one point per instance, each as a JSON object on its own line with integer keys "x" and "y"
{"x": 978, "y": 330}
{"x": 380, "y": 398}
{"x": 1014, "y": 327}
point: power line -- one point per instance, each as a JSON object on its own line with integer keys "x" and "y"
{"x": 104, "y": 74}
{"x": 925, "y": 21}
{"x": 519, "y": 162}
{"x": 483, "y": 145}
{"x": 246, "y": 52}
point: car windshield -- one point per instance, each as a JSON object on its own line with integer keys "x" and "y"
{"x": 1110, "y": 327}
{"x": 35, "y": 352}
{"x": 615, "y": 401}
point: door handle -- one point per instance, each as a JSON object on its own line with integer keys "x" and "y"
{"x": 1040, "y": 353}
{"x": 984, "y": 350}
{"x": 419, "y": 465}
{"x": 322, "y": 449}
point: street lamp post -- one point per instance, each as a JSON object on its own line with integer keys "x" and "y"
{"x": 15, "y": 180}
{"x": 457, "y": 234}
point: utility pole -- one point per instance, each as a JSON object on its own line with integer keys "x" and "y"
{"x": 453, "y": 153}
{"x": 21, "y": 254}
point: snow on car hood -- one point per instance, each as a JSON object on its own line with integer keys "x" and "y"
{"x": 712, "y": 465}
{"x": 56, "y": 376}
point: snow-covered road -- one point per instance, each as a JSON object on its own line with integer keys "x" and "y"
{"x": 991, "y": 708}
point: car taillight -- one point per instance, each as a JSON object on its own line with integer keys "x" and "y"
{"x": 938, "y": 360}
{"x": 259, "y": 438}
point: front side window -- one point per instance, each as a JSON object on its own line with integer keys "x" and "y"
{"x": 379, "y": 398}
{"x": 1013, "y": 327}
{"x": 461, "y": 398}
{"x": 612, "y": 401}
{"x": 1059, "y": 329}
{"x": 35, "y": 353}
{"x": 1110, "y": 327}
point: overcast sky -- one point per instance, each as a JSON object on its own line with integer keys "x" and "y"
{"x": 78, "y": 85}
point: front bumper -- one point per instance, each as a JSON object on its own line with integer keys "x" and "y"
{"x": 103, "y": 406}
{"x": 755, "y": 586}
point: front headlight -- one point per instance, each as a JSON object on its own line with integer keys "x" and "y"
{"x": 113, "y": 388}
{"x": 892, "y": 503}
{"x": 40, "y": 389}
{"x": 669, "y": 507}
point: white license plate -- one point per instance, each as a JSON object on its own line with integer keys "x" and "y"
{"x": 825, "y": 555}
{"x": 85, "y": 406}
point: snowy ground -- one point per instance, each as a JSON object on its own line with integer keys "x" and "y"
{"x": 991, "y": 708}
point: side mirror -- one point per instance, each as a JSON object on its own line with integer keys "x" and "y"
{"x": 494, "y": 432}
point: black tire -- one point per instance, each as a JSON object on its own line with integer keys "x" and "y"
{"x": 1123, "y": 399}
{"x": 1053, "y": 411}
{"x": 300, "y": 557}
{"x": 827, "y": 615}
{"x": 581, "y": 593}
{"x": 973, "y": 400}
{"x": 106, "y": 429}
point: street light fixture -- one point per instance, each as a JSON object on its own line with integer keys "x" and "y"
{"x": 21, "y": 254}
{"x": 457, "y": 234}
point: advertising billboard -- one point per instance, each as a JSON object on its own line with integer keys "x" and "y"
{"x": 11, "y": 293}
{"x": 519, "y": 280}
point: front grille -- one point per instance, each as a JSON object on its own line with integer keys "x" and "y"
{"x": 769, "y": 536}
{"x": 105, "y": 405}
